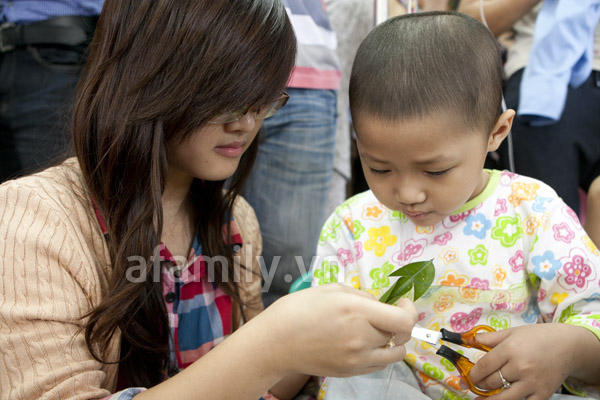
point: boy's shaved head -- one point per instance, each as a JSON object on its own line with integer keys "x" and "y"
{"x": 437, "y": 62}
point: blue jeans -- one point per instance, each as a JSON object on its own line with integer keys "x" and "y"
{"x": 289, "y": 184}
{"x": 37, "y": 86}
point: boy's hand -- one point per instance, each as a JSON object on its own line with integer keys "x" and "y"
{"x": 535, "y": 359}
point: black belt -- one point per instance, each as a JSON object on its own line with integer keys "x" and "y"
{"x": 67, "y": 31}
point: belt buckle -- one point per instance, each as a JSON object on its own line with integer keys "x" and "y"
{"x": 5, "y": 47}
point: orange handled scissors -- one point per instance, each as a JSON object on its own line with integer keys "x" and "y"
{"x": 462, "y": 363}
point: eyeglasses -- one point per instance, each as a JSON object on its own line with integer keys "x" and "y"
{"x": 258, "y": 112}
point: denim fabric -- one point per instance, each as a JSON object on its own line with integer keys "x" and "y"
{"x": 28, "y": 11}
{"x": 37, "y": 86}
{"x": 289, "y": 184}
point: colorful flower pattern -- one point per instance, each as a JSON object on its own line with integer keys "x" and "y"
{"x": 563, "y": 233}
{"x": 500, "y": 207}
{"x": 412, "y": 249}
{"x": 507, "y": 230}
{"x": 577, "y": 273}
{"x": 522, "y": 191}
{"x": 531, "y": 224}
{"x": 442, "y": 239}
{"x": 372, "y": 212}
{"x": 518, "y": 257}
{"x": 379, "y": 240}
{"x": 449, "y": 255}
{"x": 462, "y": 322}
{"x": 477, "y": 225}
{"x": 545, "y": 266}
{"x": 345, "y": 256}
{"x": 380, "y": 276}
{"x": 326, "y": 273}
{"x": 358, "y": 229}
{"x": 478, "y": 255}
{"x": 331, "y": 230}
{"x": 443, "y": 302}
{"x": 516, "y": 262}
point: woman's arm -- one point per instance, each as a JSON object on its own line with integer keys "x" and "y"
{"x": 331, "y": 330}
{"x": 49, "y": 275}
{"x": 500, "y": 15}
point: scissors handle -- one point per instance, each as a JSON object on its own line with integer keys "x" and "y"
{"x": 464, "y": 365}
{"x": 467, "y": 339}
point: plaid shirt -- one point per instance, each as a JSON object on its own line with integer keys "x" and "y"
{"x": 199, "y": 312}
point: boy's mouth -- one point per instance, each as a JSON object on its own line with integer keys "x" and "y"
{"x": 416, "y": 214}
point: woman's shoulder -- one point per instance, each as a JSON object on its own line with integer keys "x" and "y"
{"x": 59, "y": 187}
{"x": 52, "y": 204}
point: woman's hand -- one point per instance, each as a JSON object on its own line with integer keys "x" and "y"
{"x": 534, "y": 359}
{"x": 334, "y": 330}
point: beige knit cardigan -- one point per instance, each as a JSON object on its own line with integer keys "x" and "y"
{"x": 54, "y": 268}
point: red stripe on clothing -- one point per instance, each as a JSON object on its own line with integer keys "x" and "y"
{"x": 192, "y": 289}
{"x": 99, "y": 217}
{"x": 223, "y": 303}
{"x": 312, "y": 78}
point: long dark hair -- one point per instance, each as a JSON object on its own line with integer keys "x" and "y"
{"x": 157, "y": 71}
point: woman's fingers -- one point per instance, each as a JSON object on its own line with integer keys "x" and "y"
{"x": 341, "y": 331}
{"x": 398, "y": 320}
{"x": 387, "y": 319}
{"x": 374, "y": 360}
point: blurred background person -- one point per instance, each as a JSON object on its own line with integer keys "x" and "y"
{"x": 295, "y": 160}
{"x": 553, "y": 82}
{"x": 43, "y": 46}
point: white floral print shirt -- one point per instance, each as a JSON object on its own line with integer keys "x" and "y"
{"x": 516, "y": 254}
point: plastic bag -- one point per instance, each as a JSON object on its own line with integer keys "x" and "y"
{"x": 396, "y": 381}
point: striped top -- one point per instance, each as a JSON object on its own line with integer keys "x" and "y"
{"x": 317, "y": 65}
{"x": 199, "y": 312}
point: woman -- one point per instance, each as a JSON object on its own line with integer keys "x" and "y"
{"x": 124, "y": 266}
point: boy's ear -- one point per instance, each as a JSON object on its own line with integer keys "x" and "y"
{"x": 500, "y": 130}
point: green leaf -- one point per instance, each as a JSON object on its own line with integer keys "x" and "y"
{"x": 419, "y": 274}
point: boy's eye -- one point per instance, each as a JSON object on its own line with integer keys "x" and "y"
{"x": 437, "y": 173}
{"x": 379, "y": 171}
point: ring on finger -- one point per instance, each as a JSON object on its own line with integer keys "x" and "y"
{"x": 390, "y": 343}
{"x": 505, "y": 383}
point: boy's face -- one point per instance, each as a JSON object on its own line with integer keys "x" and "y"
{"x": 425, "y": 168}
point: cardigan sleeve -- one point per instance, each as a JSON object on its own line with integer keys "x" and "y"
{"x": 46, "y": 285}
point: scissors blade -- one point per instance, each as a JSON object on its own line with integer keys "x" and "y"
{"x": 427, "y": 335}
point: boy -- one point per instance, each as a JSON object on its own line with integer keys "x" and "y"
{"x": 425, "y": 96}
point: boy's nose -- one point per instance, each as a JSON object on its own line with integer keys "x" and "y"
{"x": 409, "y": 193}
